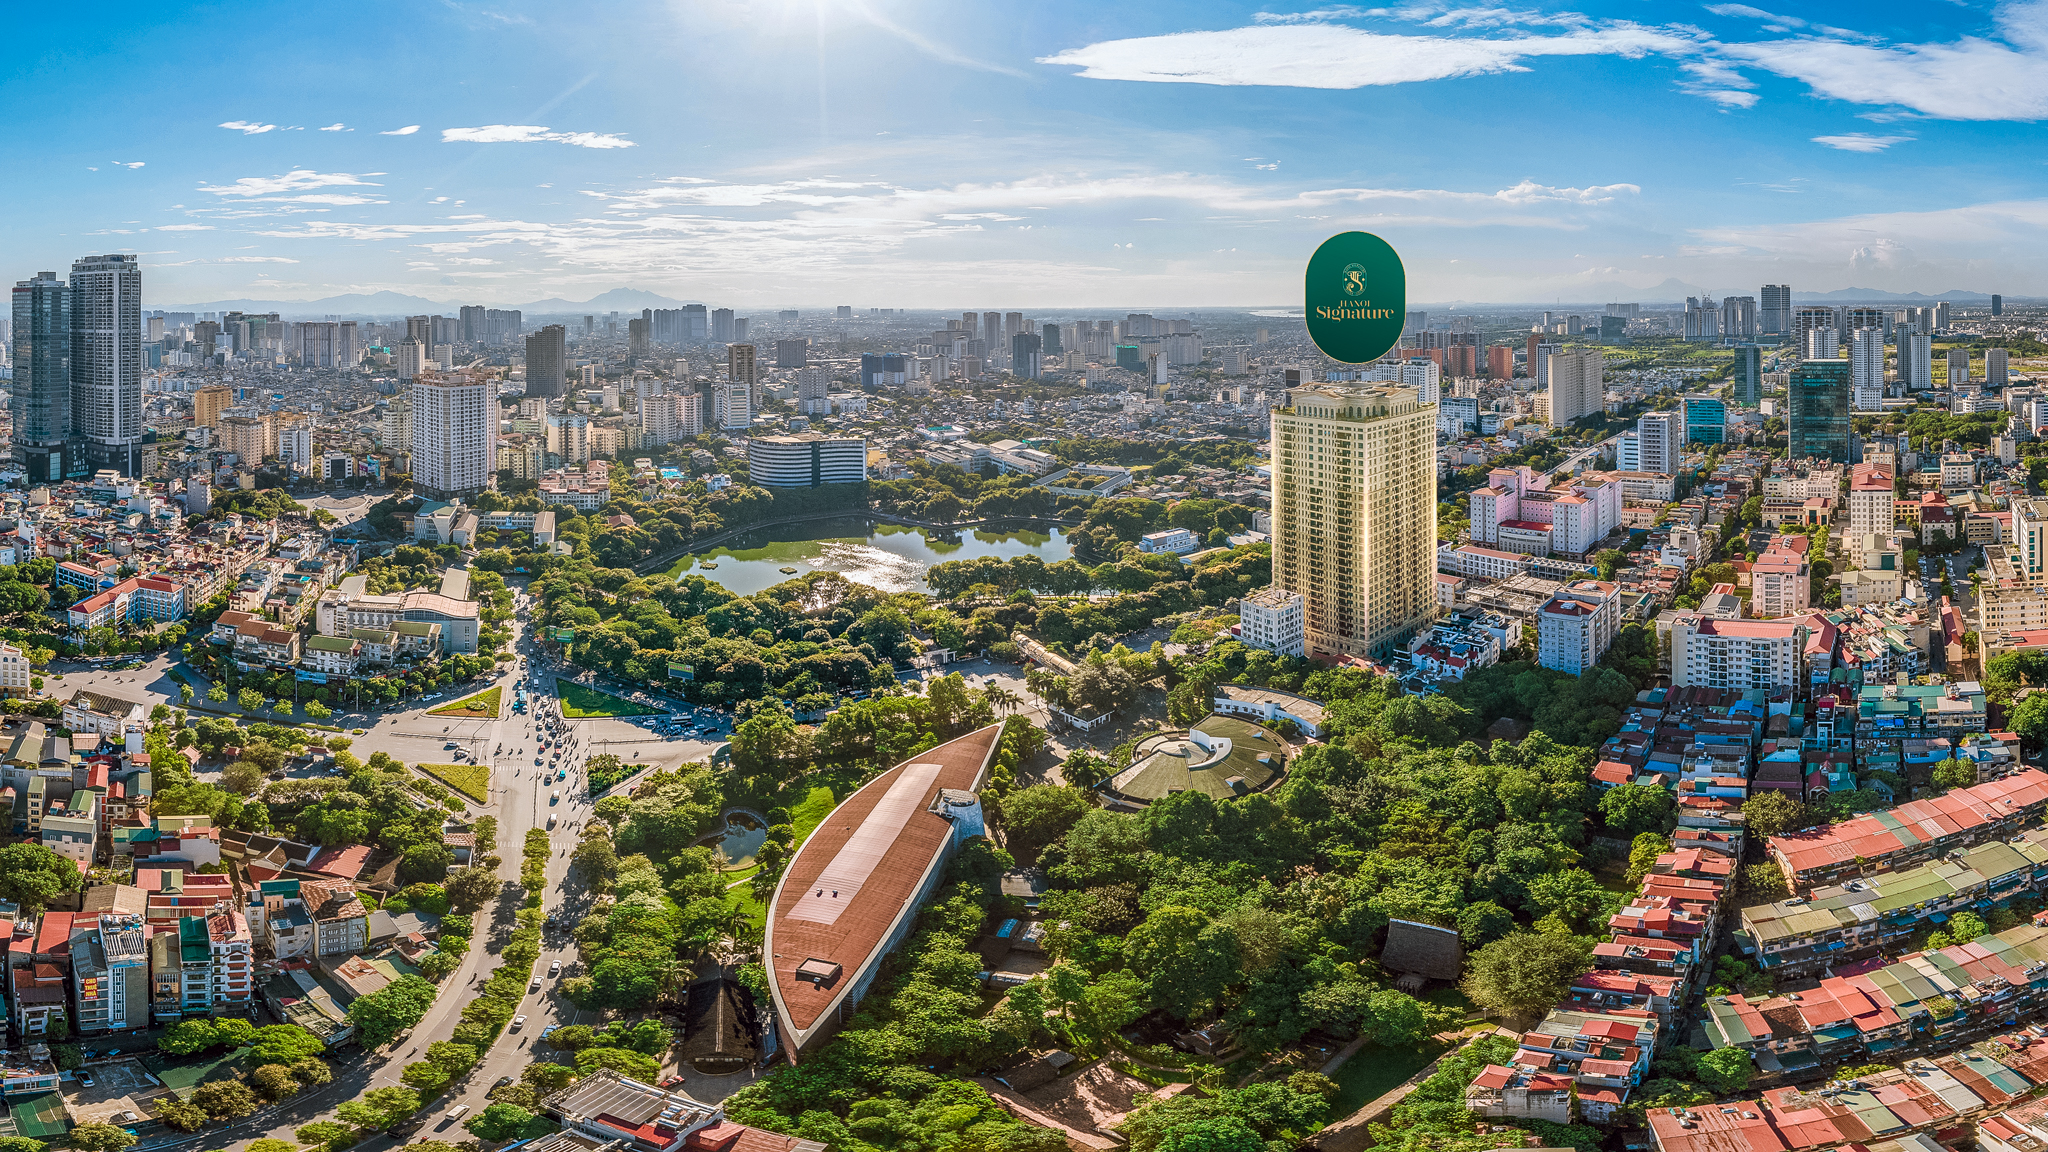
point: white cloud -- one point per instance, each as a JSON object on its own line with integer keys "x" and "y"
{"x": 1860, "y": 142}
{"x": 408, "y": 130}
{"x": 1973, "y": 78}
{"x": 337, "y": 127}
{"x": 531, "y": 134}
{"x": 1335, "y": 56}
{"x": 1998, "y": 77}
{"x": 249, "y": 127}
{"x": 297, "y": 180}
{"x": 184, "y": 227}
{"x": 126, "y": 163}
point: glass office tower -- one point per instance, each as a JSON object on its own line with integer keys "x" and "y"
{"x": 1818, "y": 423}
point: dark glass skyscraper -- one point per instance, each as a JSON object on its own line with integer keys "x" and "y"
{"x": 1747, "y": 383}
{"x": 42, "y": 376}
{"x": 106, "y": 360}
{"x": 1818, "y": 424}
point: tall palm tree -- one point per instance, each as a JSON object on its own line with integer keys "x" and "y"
{"x": 1002, "y": 699}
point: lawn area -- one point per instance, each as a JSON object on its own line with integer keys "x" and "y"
{"x": 579, "y": 702}
{"x": 806, "y": 814}
{"x": 484, "y": 704}
{"x": 472, "y": 780}
{"x": 1374, "y": 1071}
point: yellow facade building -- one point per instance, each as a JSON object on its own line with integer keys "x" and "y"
{"x": 1354, "y": 514}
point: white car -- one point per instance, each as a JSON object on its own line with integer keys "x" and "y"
{"x": 555, "y": 969}
{"x": 519, "y": 1022}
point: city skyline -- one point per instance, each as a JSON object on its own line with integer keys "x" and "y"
{"x": 1068, "y": 156}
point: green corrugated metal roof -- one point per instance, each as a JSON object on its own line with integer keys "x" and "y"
{"x": 195, "y": 944}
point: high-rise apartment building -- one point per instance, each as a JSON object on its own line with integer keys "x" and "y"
{"x": 106, "y": 360}
{"x": 992, "y": 335}
{"x": 295, "y": 446}
{"x": 1576, "y": 626}
{"x": 739, "y": 368}
{"x": 813, "y": 391}
{"x": 1660, "y": 437}
{"x": 1577, "y": 379}
{"x": 1738, "y": 317}
{"x": 1805, "y": 319}
{"x": 1818, "y": 423}
{"x": 734, "y": 404}
{"x": 547, "y": 362}
{"x": 41, "y": 390}
{"x": 639, "y": 338}
{"x": 209, "y": 402}
{"x": 1871, "y": 488}
{"x": 1774, "y": 310}
{"x": 792, "y": 353}
{"x": 1958, "y": 367}
{"x": 454, "y": 433}
{"x": 1822, "y": 344}
{"x": 470, "y": 324}
{"x": 696, "y": 328}
{"x": 1866, "y": 369}
{"x": 1916, "y": 360}
{"x": 1995, "y": 360}
{"x": 410, "y": 358}
{"x": 1848, "y": 320}
{"x": 1049, "y": 340}
{"x": 1354, "y": 514}
{"x": 721, "y": 325}
{"x": 970, "y": 323}
{"x": 1746, "y": 385}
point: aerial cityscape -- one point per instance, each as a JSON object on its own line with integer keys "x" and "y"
{"x": 831, "y": 577}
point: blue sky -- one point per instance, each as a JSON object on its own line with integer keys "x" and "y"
{"x": 918, "y": 154}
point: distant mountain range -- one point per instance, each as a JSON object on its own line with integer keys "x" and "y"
{"x": 356, "y": 305}
{"x": 1672, "y": 293}
{"x": 361, "y": 305}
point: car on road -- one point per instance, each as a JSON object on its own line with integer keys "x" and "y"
{"x": 671, "y": 1082}
{"x": 534, "y": 984}
{"x": 502, "y": 1081}
{"x": 406, "y": 1129}
{"x": 85, "y": 1078}
{"x": 554, "y": 797}
{"x": 548, "y": 1031}
{"x": 519, "y": 1022}
{"x": 551, "y": 821}
{"x": 450, "y": 744}
{"x": 458, "y": 1112}
{"x": 555, "y": 969}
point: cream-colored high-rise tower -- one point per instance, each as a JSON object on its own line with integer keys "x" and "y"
{"x": 209, "y": 402}
{"x": 1577, "y": 383}
{"x": 1354, "y": 514}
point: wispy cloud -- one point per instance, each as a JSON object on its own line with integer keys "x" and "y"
{"x": 126, "y": 163}
{"x": 297, "y": 180}
{"x": 408, "y": 130}
{"x": 250, "y": 127}
{"x": 532, "y": 134}
{"x": 184, "y": 227}
{"x": 1860, "y": 142}
{"x": 337, "y": 127}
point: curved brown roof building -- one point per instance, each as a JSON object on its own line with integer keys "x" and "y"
{"x": 852, "y": 891}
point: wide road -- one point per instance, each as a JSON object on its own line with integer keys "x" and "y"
{"x": 520, "y": 800}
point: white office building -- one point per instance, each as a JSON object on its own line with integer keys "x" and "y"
{"x": 1271, "y": 619}
{"x": 806, "y": 460}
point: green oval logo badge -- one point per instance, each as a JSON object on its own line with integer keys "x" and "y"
{"x": 1356, "y": 297}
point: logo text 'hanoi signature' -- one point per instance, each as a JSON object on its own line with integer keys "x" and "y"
{"x": 1368, "y": 313}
